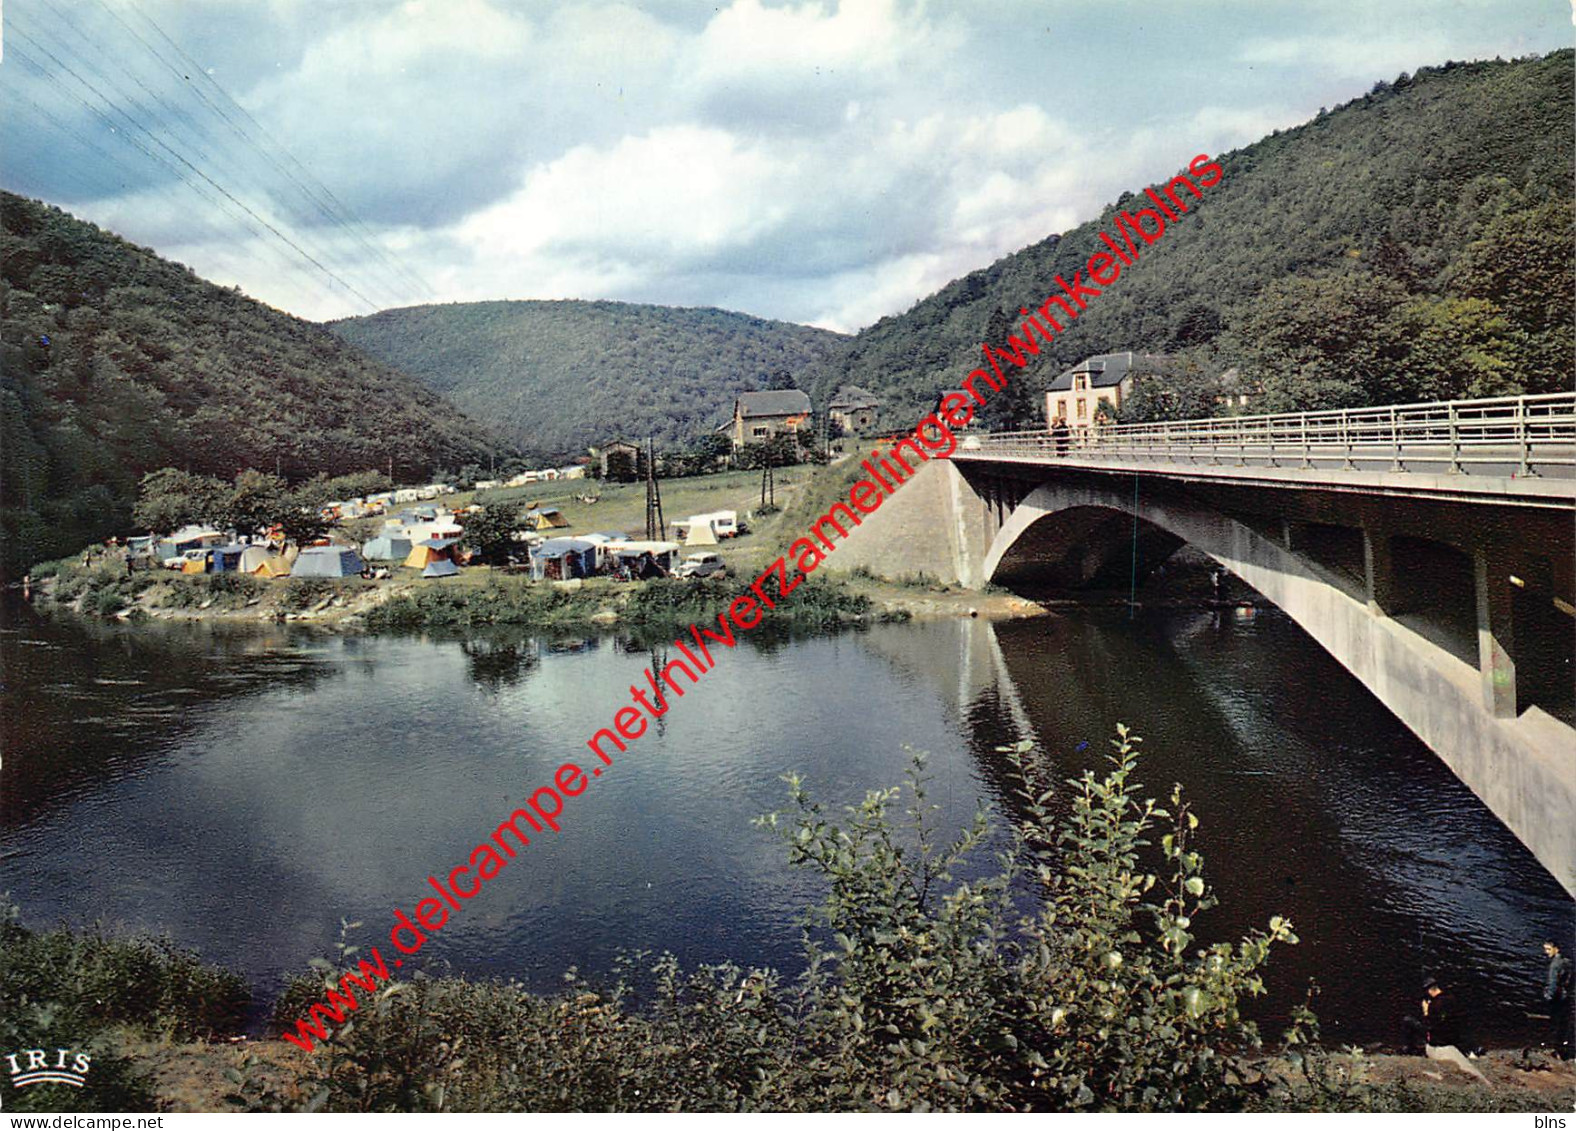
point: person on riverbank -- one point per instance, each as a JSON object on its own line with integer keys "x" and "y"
{"x": 1439, "y": 1026}
{"x": 1557, "y": 996}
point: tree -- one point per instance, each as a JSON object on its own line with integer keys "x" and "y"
{"x": 1327, "y": 341}
{"x": 1016, "y": 405}
{"x": 169, "y": 499}
{"x": 622, "y": 466}
{"x": 1456, "y": 347}
{"x": 489, "y": 531}
{"x": 1391, "y": 260}
{"x": 301, "y": 525}
{"x": 361, "y": 530}
{"x": 300, "y": 511}
{"x": 358, "y": 484}
{"x": 1181, "y": 390}
{"x": 1522, "y": 264}
{"x": 1195, "y": 323}
{"x": 255, "y": 502}
{"x": 781, "y": 450}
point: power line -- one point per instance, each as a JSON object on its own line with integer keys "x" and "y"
{"x": 209, "y": 180}
{"x": 176, "y": 115}
{"x": 132, "y": 140}
{"x": 343, "y": 219}
{"x": 313, "y": 189}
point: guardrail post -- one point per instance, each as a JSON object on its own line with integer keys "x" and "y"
{"x": 1302, "y": 426}
{"x": 1346, "y": 442}
{"x": 1522, "y": 439}
{"x": 1395, "y": 443}
{"x": 1455, "y": 441}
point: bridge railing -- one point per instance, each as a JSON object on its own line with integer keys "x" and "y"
{"x": 1523, "y": 435}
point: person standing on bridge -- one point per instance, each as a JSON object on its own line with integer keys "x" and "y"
{"x": 1059, "y": 436}
{"x": 1557, "y": 995}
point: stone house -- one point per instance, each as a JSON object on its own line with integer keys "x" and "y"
{"x": 853, "y": 409}
{"x": 759, "y": 416}
{"x": 1075, "y": 397}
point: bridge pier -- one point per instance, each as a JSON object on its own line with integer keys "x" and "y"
{"x": 1496, "y": 632}
{"x": 1379, "y": 573}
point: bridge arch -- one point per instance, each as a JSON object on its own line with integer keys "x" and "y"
{"x": 1518, "y": 765}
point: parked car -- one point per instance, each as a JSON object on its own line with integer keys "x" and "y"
{"x": 703, "y": 565}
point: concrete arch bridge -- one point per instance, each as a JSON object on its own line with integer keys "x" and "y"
{"x": 1428, "y": 548}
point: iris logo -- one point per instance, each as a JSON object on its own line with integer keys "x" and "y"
{"x": 69, "y": 1067}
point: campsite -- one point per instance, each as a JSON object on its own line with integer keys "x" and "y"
{"x": 584, "y": 557}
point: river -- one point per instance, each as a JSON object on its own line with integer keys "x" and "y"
{"x": 242, "y": 790}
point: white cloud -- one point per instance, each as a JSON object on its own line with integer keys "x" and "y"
{"x": 679, "y": 192}
{"x": 1372, "y": 56}
{"x": 827, "y": 161}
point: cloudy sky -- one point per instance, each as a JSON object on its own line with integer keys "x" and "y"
{"x": 826, "y": 162}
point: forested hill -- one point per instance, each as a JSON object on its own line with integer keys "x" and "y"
{"x": 115, "y": 362}
{"x": 1411, "y": 244}
{"x": 560, "y": 376}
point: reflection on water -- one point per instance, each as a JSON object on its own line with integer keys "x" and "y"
{"x": 245, "y": 790}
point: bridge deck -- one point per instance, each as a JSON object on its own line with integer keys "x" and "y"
{"x": 1504, "y": 449}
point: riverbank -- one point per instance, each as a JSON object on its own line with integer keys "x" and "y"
{"x": 200, "y": 1076}
{"x": 484, "y": 596}
{"x": 166, "y": 1034}
{"x": 481, "y": 595}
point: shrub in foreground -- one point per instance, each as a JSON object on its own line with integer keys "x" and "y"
{"x": 82, "y": 989}
{"x": 921, "y": 990}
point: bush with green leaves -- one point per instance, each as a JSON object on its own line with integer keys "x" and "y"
{"x": 83, "y": 989}
{"x": 99, "y": 590}
{"x": 922, "y": 990}
{"x": 143, "y": 982}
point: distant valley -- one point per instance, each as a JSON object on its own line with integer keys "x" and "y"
{"x": 557, "y": 377}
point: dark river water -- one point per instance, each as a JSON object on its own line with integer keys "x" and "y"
{"x": 242, "y": 791}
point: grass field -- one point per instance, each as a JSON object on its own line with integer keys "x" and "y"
{"x": 622, "y": 506}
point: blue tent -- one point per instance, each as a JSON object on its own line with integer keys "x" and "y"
{"x": 327, "y": 561}
{"x": 387, "y": 548}
{"x": 563, "y": 558}
{"x": 226, "y": 559}
{"x": 441, "y": 567}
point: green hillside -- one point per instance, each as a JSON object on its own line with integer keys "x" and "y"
{"x": 114, "y": 362}
{"x": 1415, "y": 243}
{"x": 559, "y": 376}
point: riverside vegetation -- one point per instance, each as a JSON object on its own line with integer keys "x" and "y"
{"x": 482, "y": 598}
{"x": 929, "y": 983}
